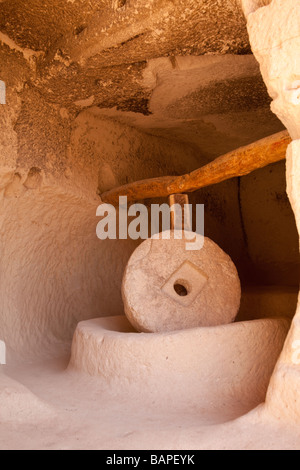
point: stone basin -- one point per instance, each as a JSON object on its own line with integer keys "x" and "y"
{"x": 208, "y": 365}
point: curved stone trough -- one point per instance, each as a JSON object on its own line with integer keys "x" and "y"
{"x": 212, "y": 365}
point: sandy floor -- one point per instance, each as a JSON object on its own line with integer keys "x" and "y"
{"x": 50, "y": 406}
{"x": 82, "y": 413}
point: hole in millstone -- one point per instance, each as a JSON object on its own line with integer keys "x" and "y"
{"x": 180, "y": 289}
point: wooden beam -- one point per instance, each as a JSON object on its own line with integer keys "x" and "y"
{"x": 237, "y": 163}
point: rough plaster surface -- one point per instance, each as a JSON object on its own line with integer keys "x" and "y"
{"x": 54, "y": 270}
{"x": 279, "y": 65}
{"x": 78, "y": 22}
{"x": 157, "y": 265}
{"x": 274, "y": 34}
{"x": 215, "y": 102}
{"x": 286, "y": 377}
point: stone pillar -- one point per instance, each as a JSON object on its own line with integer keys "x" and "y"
{"x": 274, "y": 32}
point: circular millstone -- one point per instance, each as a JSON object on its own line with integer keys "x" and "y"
{"x": 168, "y": 286}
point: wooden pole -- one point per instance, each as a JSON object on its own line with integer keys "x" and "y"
{"x": 237, "y": 163}
{"x": 180, "y": 212}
